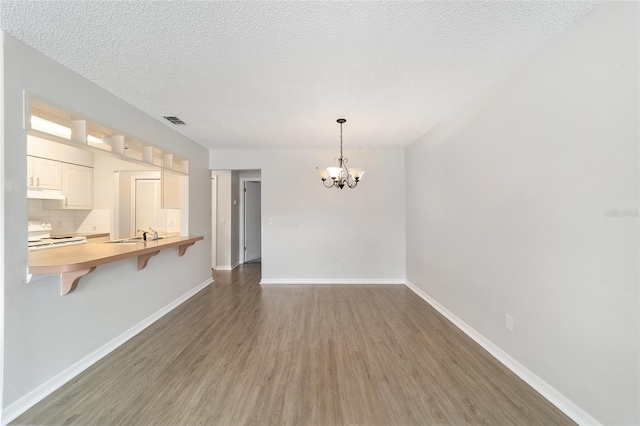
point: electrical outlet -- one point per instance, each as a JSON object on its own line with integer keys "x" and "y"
{"x": 343, "y": 263}
{"x": 170, "y": 222}
{"x": 59, "y": 224}
{"x": 508, "y": 323}
{"x": 94, "y": 228}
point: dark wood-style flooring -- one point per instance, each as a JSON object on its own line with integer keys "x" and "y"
{"x": 241, "y": 354}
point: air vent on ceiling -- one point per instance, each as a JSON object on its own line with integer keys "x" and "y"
{"x": 174, "y": 120}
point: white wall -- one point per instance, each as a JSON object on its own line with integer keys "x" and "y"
{"x": 44, "y": 332}
{"x": 507, "y": 205}
{"x": 313, "y": 228}
{"x": 250, "y": 174}
{"x": 3, "y": 221}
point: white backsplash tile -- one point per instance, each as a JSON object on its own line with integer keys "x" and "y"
{"x": 71, "y": 221}
{"x": 97, "y": 220}
{"x": 173, "y": 221}
{"x": 89, "y": 221}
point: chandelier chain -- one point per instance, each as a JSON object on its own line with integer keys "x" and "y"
{"x": 340, "y": 140}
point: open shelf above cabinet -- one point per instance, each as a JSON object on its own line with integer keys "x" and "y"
{"x": 48, "y": 122}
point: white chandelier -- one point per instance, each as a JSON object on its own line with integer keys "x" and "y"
{"x": 341, "y": 175}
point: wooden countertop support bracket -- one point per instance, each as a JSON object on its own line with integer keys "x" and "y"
{"x": 143, "y": 259}
{"x": 69, "y": 280}
{"x": 183, "y": 248}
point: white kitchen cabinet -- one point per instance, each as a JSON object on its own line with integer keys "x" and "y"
{"x": 43, "y": 173}
{"x": 77, "y": 186}
{"x": 29, "y": 171}
{"x": 171, "y": 193}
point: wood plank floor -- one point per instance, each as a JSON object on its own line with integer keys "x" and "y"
{"x": 241, "y": 354}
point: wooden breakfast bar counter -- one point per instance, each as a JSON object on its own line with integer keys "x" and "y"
{"x": 74, "y": 262}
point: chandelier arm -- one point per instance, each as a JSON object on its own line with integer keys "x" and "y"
{"x": 346, "y": 168}
{"x": 324, "y": 182}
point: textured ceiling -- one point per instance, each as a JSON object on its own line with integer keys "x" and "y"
{"x": 278, "y": 74}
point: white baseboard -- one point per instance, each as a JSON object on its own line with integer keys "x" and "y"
{"x": 42, "y": 391}
{"x": 226, "y": 267}
{"x": 314, "y": 281}
{"x": 564, "y": 404}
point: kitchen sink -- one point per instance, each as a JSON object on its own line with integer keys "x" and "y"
{"x": 120, "y": 242}
{"x": 138, "y": 239}
{"x": 134, "y": 240}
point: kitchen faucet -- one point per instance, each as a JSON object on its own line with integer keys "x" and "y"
{"x": 144, "y": 234}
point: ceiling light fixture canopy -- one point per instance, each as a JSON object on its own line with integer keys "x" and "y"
{"x": 341, "y": 175}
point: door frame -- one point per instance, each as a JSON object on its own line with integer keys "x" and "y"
{"x": 132, "y": 175}
{"x": 241, "y": 221}
{"x": 134, "y": 189}
{"x": 214, "y": 221}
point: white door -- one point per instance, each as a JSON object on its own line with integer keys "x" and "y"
{"x": 252, "y": 231}
{"x": 147, "y": 206}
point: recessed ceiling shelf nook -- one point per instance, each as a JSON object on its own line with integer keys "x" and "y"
{"x": 48, "y": 122}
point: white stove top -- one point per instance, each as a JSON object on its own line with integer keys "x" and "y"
{"x": 40, "y": 237}
{"x": 46, "y": 243}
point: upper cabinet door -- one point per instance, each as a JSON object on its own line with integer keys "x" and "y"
{"x": 30, "y": 179}
{"x": 171, "y": 190}
{"x": 46, "y": 174}
{"x": 77, "y": 186}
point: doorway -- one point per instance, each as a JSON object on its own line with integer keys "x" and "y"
{"x": 251, "y": 222}
{"x": 146, "y": 206}
{"x": 125, "y": 200}
{"x": 231, "y": 233}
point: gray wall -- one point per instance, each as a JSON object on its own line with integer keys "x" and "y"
{"x": 508, "y": 211}
{"x": 3, "y": 221}
{"x": 44, "y": 332}
{"x": 313, "y": 228}
{"x": 250, "y": 174}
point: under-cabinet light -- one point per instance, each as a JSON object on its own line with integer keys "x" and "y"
{"x": 50, "y": 127}
{"x": 93, "y": 139}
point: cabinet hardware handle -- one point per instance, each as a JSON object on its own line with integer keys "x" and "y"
{"x": 38, "y": 181}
